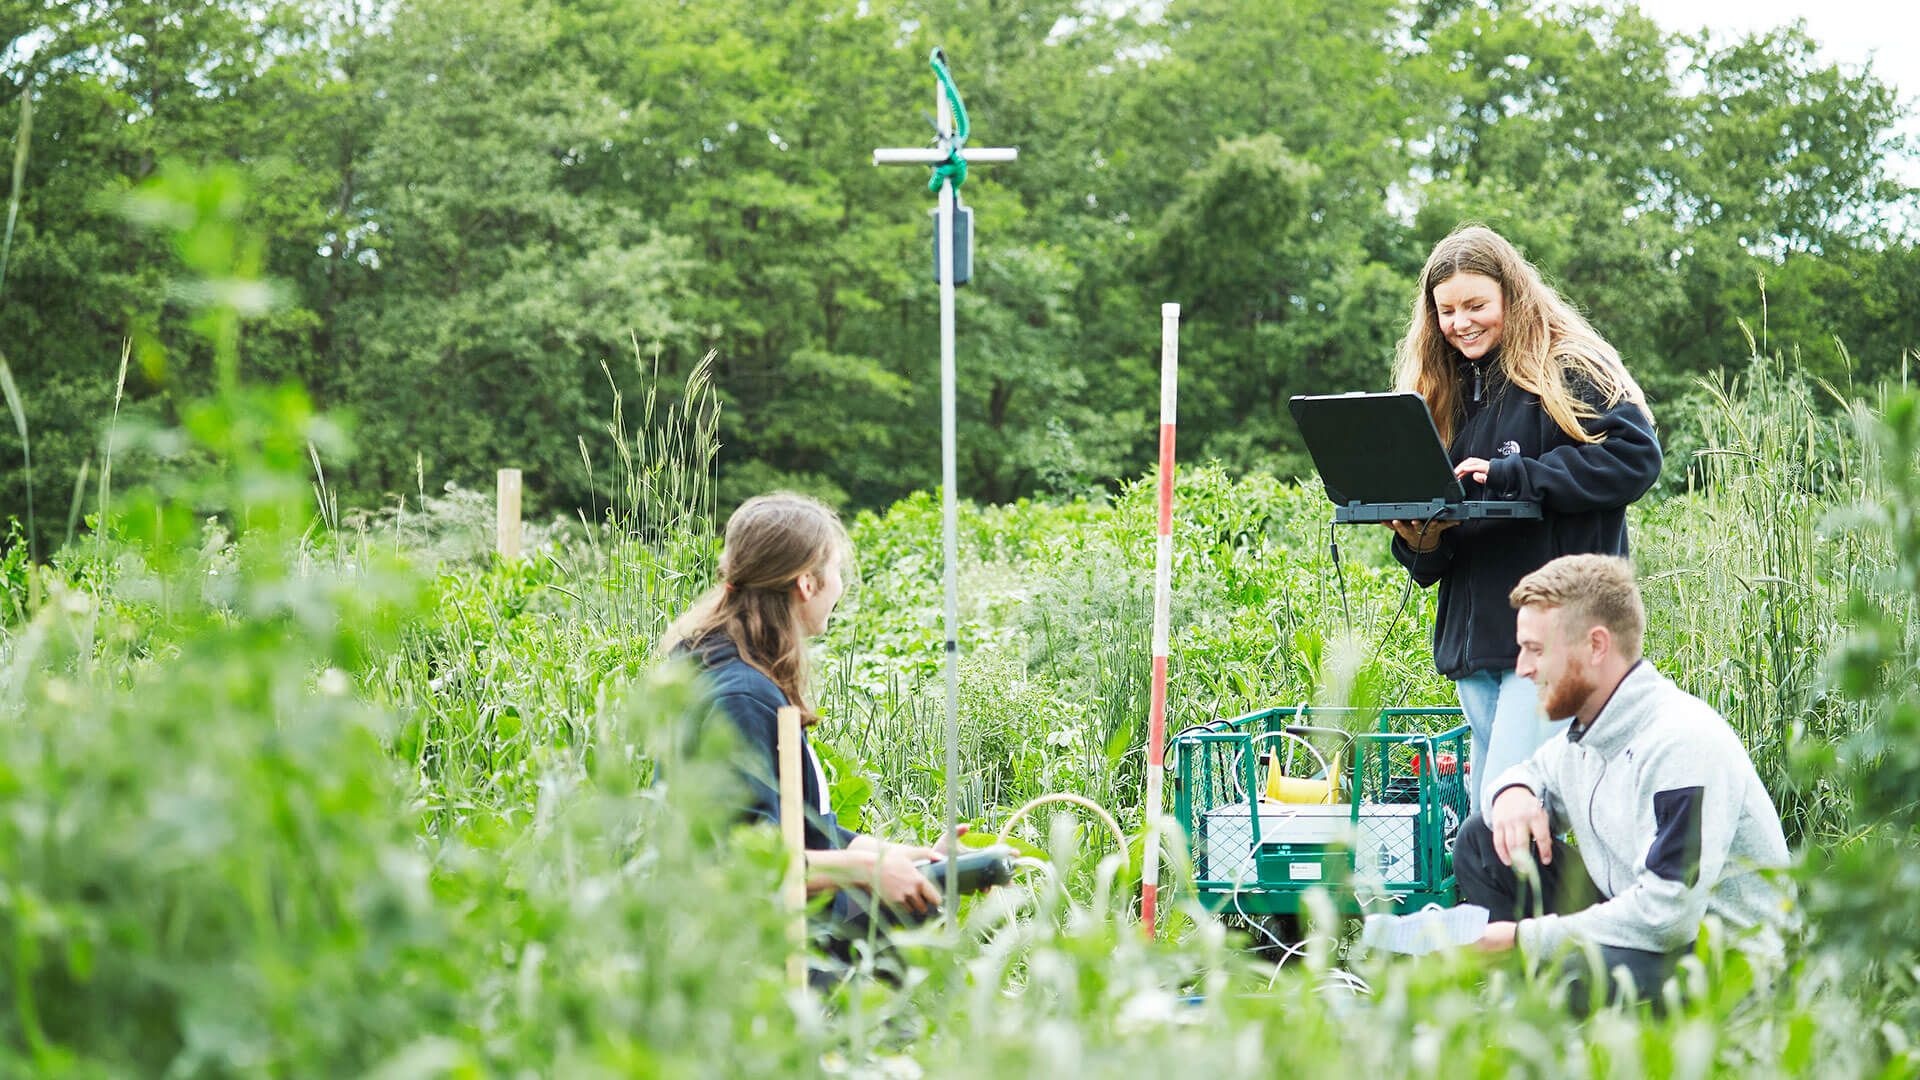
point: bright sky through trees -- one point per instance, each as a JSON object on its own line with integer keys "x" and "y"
{"x": 1849, "y": 31}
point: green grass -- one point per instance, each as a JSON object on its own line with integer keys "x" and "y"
{"x": 1749, "y": 575}
{"x": 402, "y": 808}
{"x": 286, "y": 791}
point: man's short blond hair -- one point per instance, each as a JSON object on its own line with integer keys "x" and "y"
{"x": 1592, "y": 590}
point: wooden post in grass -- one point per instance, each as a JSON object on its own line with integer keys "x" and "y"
{"x": 507, "y": 515}
{"x": 793, "y": 891}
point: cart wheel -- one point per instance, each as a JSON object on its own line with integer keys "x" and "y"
{"x": 1275, "y": 938}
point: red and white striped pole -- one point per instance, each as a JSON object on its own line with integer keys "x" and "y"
{"x": 1162, "y": 605}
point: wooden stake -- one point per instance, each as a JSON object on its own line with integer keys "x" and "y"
{"x": 793, "y": 891}
{"x": 507, "y": 515}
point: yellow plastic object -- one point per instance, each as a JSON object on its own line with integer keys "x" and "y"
{"x": 1282, "y": 788}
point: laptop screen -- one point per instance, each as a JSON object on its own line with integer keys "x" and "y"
{"x": 1376, "y": 448}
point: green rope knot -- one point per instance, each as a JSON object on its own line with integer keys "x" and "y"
{"x": 955, "y": 167}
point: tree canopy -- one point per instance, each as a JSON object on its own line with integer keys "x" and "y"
{"x": 488, "y": 216}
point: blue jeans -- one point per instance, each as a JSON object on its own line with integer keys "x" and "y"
{"x": 1503, "y": 709}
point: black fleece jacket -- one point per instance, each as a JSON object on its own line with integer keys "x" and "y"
{"x": 1583, "y": 490}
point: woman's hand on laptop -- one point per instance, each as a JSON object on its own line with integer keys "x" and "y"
{"x": 1421, "y": 535}
{"x": 1475, "y": 467}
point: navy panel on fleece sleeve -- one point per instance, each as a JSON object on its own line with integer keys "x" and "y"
{"x": 1675, "y": 854}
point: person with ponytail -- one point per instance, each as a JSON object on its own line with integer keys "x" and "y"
{"x": 780, "y": 577}
{"x": 1533, "y": 405}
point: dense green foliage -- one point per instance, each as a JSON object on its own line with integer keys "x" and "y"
{"x": 342, "y": 794}
{"x": 482, "y": 213}
{"x": 370, "y": 802}
{"x": 293, "y": 789}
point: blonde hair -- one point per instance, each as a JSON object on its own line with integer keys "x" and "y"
{"x": 1544, "y": 342}
{"x": 771, "y": 540}
{"x": 1589, "y": 590}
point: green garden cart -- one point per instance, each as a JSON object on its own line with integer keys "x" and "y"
{"x": 1363, "y": 803}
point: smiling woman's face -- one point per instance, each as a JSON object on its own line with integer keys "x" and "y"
{"x": 1471, "y": 312}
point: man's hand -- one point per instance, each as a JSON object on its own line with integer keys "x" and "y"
{"x": 1518, "y": 816}
{"x": 1421, "y": 536}
{"x": 1497, "y": 938}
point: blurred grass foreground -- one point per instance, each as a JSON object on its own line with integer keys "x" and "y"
{"x": 291, "y": 792}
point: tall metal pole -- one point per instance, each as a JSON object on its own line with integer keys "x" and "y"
{"x": 949, "y": 505}
{"x": 948, "y": 196}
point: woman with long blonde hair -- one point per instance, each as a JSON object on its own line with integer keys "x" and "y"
{"x": 1533, "y": 405}
{"x": 780, "y": 577}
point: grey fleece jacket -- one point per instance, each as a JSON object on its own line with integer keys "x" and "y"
{"x": 1670, "y": 817}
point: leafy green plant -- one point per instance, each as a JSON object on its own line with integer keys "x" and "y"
{"x": 212, "y": 864}
{"x": 1861, "y": 891}
{"x": 15, "y": 570}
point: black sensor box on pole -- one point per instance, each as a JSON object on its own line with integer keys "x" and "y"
{"x": 963, "y": 242}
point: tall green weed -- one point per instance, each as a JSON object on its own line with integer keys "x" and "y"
{"x": 1861, "y": 890}
{"x": 1747, "y": 576}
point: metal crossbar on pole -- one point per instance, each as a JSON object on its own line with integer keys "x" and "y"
{"x": 928, "y": 155}
{"x": 949, "y": 148}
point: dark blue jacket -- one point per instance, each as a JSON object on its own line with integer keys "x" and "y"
{"x": 745, "y": 695}
{"x": 1583, "y": 490}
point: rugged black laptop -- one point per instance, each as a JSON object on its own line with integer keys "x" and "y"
{"x": 1381, "y": 459}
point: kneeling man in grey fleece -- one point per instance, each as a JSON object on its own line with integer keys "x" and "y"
{"x": 1671, "y": 820}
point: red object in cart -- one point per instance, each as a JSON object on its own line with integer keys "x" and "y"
{"x": 1445, "y": 763}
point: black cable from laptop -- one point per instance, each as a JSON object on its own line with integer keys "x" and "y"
{"x": 1339, "y": 575}
{"x": 1406, "y": 594}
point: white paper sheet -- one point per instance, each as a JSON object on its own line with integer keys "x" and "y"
{"x": 1426, "y": 930}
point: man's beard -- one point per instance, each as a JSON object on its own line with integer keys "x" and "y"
{"x": 1570, "y": 691}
